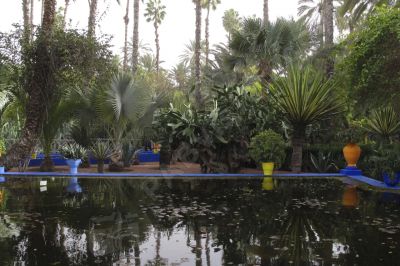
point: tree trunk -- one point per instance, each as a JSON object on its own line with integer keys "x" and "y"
{"x": 266, "y": 12}
{"x": 298, "y": 140}
{"x": 265, "y": 70}
{"x": 65, "y": 13}
{"x": 31, "y": 19}
{"x": 39, "y": 86}
{"x": 126, "y": 21}
{"x": 198, "y": 96}
{"x": 135, "y": 52}
{"x": 157, "y": 47}
{"x": 328, "y": 15}
{"x": 100, "y": 166}
{"x": 92, "y": 18}
{"x": 26, "y": 21}
{"x": 207, "y": 33}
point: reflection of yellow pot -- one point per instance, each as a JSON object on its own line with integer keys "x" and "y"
{"x": 268, "y": 183}
{"x": 34, "y": 155}
{"x": 268, "y": 168}
{"x": 351, "y": 154}
{"x": 350, "y": 197}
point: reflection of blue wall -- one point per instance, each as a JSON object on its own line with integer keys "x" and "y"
{"x": 57, "y": 159}
{"x": 73, "y": 186}
{"x": 2, "y": 179}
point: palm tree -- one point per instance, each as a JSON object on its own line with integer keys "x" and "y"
{"x": 66, "y": 6}
{"x": 197, "y": 85}
{"x": 40, "y": 86}
{"x": 26, "y": 20}
{"x": 312, "y": 12}
{"x": 303, "y": 98}
{"x": 231, "y": 22}
{"x": 126, "y": 21}
{"x": 328, "y": 27}
{"x": 92, "y": 18}
{"x": 188, "y": 58}
{"x": 209, "y": 4}
{"x": 135, "y": 50}
{"x": 265, "y": 12}
{"x": 155, "y": 12}
{"x": 269, "y": 46}
{"x": 358, "y": 8}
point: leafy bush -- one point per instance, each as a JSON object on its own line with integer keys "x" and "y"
{"x": 2, "y": 147}
{"x": 73, "y": 151}
{"x": 268, "y": 146}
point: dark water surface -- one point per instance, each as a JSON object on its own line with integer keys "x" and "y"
{"x": 196, "y": 222}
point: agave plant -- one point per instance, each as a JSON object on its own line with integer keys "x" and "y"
{"x": 101, "y": 151}
{"x": 302, "y": 97}
{"x": 73, "y": 151}
{"x": 384, "y": 123}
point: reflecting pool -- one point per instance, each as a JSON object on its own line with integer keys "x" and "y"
{"x": 253, "y": 221}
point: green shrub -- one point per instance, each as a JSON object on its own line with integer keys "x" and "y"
{"x": 73, "y": 151}
{"x": 101, "y": 150}
{"x": 268, "y": 146}
{"x": 2, "y": 147}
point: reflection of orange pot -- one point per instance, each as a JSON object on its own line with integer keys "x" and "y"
{"x": 350, "y": 197}
{"x": 351, "y": 154}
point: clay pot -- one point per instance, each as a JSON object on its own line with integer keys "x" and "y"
{"x": 351, "y": 154}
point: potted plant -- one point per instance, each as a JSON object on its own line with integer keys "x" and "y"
{"x": 390, "y": 167}
{"x": 351, "y": 150}
{"x": 268, "y": 149}
{"x": 73, "y": 153}
{"x": 101, "y": 151}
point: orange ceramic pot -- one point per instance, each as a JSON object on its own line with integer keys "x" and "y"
{"x": 350, "y": 197}
{"x": 351, "y": 154}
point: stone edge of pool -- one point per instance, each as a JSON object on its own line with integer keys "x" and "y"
{"x": 360, "y": 178}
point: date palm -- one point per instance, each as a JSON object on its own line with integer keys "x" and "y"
{"x": 312, "y": 12}
{"x": 208, "y": 5}
{"x": 358, "y": 8}
{"x": 269, "y": 45}
{"x": 266, "y": 12}
{"x": 135, "y": 43}
{"x": 126, "y": 21}
{"x": 155, "y": 12}
{"x": 40, "y": 88}
{"x": 302, "y": 97}
{"x": 197, "y": 85}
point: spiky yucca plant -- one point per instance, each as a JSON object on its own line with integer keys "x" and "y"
{"x": 384, "y": 123}
{"x": 303, "y": 97}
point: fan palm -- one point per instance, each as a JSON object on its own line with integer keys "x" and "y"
{"x": 270, "y": 45}
{"x": 384, "y": 123}
{"x": 303, "y": 98}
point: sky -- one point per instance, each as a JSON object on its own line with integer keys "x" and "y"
{"x": 175, "y": 31}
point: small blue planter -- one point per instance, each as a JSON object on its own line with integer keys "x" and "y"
{"x": 73, "y": 165}
{"x": 2, "y": 179}
{"x": 73, "y": 186}
{"x": 390, "y": 181}
{"x": 2, "y": 169}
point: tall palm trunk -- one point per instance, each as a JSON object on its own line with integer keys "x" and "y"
{"x": 207, "y": 32}
{"x": 328, "y": 24}
{"x": 126, "y": 21}
{"x": 198, "y": 96}
{"x": 266, "y": 11}
{"x": 298, "y": 140}
{"x": 39, "y": 86}
{"x": 135, "y": 52}
{"x": 157, "y": 47}
{"x": 31, "y": 18}
{"x": 92, "y": 18}
{"x": 26, "y": 20}
{"x": 65, "y": 13}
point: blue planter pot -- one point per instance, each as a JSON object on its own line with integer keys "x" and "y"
{"x": 73, "y": 186}
{"x": 73, "y": 165}
{"x": 2, "y": 179}
{"x": 2, "y": 169}
{"x": 391, "y": 181}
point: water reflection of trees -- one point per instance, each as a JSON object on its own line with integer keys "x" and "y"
{"x": 299, "y": 221}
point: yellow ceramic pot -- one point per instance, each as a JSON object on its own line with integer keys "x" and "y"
{"x": 268, "y": 183}
{"x": 351, "y": 153}
{"x": 268, "y": 168}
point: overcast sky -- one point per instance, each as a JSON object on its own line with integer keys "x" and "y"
{"x": 175, "y": 31}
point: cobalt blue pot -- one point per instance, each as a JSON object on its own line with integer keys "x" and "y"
{"x": 73, "y": 165}
{"x": 391, "y": 181}
{"x": 73, "y": 186}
